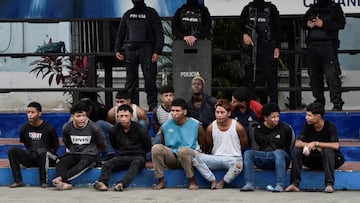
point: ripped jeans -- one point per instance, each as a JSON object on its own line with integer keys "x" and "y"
{"x": 204, "y": 163}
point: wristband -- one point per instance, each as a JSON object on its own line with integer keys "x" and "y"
{"x": 317, "y": 144}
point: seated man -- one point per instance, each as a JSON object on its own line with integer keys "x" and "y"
{"x": 275, "y": 140}
{"x": 246, "y": 111}
{"x": 317, "y": 147}
{"x": 40, "y": 140}
{"x": 139, "y": 115}
{"x": 84, "y": 141}
{"x": 201, "y": 105}
{"x": 97, "y": 111}
{"x": 228, "y": 138}
{"x": 131, "y": 142}
{"x": 123, "y": 97}
{"x": 162, "y": 112}
{"x": 181, "y": 136}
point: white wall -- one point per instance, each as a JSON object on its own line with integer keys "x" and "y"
{"x": 14, "y": 72}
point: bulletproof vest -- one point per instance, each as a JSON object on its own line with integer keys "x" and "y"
{"x": 138, "y": 27}
{"x": 190, "y": 20}
{"x": 260, "y": 20}
{"x": 320, "y": 34}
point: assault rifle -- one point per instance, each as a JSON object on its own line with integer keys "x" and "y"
{"x": 252, "y": 27}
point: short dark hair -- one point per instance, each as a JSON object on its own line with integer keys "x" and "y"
{"x": 122, "y": 94}
{"x": 180, "y": 102}
{"x": 79, "y": 107}
{"x": 270, "y": 108}
{"x": 223, "y": 103}
{"x": 241, "y": 94}
{"x": 125, "y": 107}
{"x": 36, "y": 105}
{"x": 316, "y": 108}
{"x": 166, "y": 89}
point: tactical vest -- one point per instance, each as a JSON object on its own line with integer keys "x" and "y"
{"x": 190, "y": 20}
{"x": 136, "y": 22}
{"x": 260, "y": 20}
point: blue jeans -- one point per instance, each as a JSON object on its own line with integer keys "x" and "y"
{"x": 204, "y": 163}
{"x": 277, "y": 159}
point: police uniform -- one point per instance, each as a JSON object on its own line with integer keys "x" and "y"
{"x": 322, "y": 46}
{"x": 139, "y": 36}
{"x": 268, "y": 37}
{"x": 191, "y": 19}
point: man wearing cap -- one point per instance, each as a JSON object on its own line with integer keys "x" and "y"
{"x": 201, "y": 105}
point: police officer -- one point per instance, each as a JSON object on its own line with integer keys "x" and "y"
{"x": 323, "y": 21}
{"x": 191, "y": 22}
{"x": 140, "y": 40}
{"x": 261, "y": 34}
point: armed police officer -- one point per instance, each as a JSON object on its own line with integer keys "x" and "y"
{"x": 261, "y": 35}
{"x": 140, "y": 40}
{"x": 191, "y": 22}
{"x": 323, "y": 21}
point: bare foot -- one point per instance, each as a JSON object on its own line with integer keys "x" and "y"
{"x": 220, "y": 185}
{"x": 119, "y": 187}
{"x": 57, "y": 180}
{"x": 213, "y": 185}
{"x": 159, "y": 186}
{"x": 193, "y": 186}
{"x": 149, "y": 165}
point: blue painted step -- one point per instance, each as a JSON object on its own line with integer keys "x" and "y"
{"x": 312, "y": 180}
{"x": 347, "y": 122}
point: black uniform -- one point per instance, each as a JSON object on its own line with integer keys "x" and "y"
{"x": 139, "y": 36}
{"x": 268, "y": 37}
{"x": 191, "y": 19}
{"x": 322, "y": 47}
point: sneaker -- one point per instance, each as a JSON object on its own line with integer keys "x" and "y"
{"x": 278, "y": 188}
{"x": 329, "y": 189}
{"x": 17, "y": 184}
{"x": 292, "y": 188}
{"x": 100, "y": 186}
{"x": 247, "y": 187}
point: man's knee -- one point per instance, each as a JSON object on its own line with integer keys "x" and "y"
{"x": 185, "y": 151}
{"x": 156, "y": 149}
{"x": 12, "y": 151}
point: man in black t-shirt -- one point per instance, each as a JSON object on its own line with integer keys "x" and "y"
{"x": 317, "y": 147}
{"x": 41, "y": 142}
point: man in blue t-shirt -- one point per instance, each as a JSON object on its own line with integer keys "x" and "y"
{"x": 180, "y": 137}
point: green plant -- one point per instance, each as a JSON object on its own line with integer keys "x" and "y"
{"x": 69, "y": 71}
{"x": 227, "y": 66}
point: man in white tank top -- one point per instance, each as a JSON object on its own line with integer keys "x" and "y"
{"x": 228, "y": 138}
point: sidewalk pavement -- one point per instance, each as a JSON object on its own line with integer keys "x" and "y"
{"x": 178, "y": 195}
